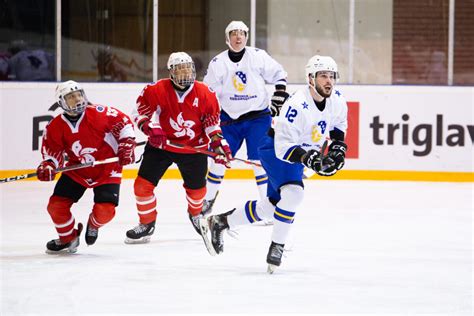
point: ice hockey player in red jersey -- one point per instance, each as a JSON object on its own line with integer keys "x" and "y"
{"x": 84, "y": 133}
{"x": 187, "y": 113}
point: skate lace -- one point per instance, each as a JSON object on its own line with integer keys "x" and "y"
{"x": 140, "y": 228}
{"x": 276, "y": 251}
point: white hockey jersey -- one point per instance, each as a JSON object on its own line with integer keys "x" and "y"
{"x": 240, "y": 86}
{"x": 302, "y": 124}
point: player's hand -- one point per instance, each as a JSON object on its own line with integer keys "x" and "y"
{"x": 126, "y": 151}
{"x": 279, "y": 97}
{"x": 46, "y": 171}
{"x": 219, "y": 146}
{"x": 337, "y": 151}
{"x": 323, "y": 165}
{"x": 156, "y": 136}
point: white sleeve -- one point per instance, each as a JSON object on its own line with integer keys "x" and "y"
{"x": 289, "y": 127}
{"x": 213, "y": 77}
{"x": 273, "y": 72}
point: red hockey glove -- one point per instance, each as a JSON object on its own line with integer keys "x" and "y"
{"x": 156, "y": 136}
{"x": 46, "y": 171}
{"x": 126, "y": 151}
{"x": 219, "y": 146}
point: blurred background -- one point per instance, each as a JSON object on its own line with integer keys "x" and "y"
{"x": 382, "y": 42}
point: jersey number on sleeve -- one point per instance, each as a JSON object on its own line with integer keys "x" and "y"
{"x": 290, "y": 114}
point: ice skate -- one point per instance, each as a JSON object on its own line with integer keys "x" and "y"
{"x": 208, "y": 204}
{"x": 195, "y": 222}
{"x": 140, "y": 234}
{"x": 91, "y": 234}
{"x": 55, "y": 246}
{"x": 217, "y": 225}
{"x": 275, "y": 252}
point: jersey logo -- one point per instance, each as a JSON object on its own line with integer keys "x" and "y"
{"x": 316, "y": 134}
{"x": 84, "y": 154}
{"x": 182, "y": 127}
{"x": 240, "y": 81}
{"x": 196, "y": 102}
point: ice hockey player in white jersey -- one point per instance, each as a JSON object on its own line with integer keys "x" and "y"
{"x": 307, "y": 118}
{"x": 238, "y": 76}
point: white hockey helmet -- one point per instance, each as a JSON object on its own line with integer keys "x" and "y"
{"x": 65, "y": 88}
{"x": 321, "y": 63}
{"x": 182, "y": 69}
{"x": 235, "y": 26}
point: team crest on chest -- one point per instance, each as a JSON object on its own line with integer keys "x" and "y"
{"x": 240, "y": 81}
{"x": 84, "y": 154}
{"x": 182, "y": 127}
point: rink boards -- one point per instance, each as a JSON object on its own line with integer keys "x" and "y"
{"x": 416, "y": 133}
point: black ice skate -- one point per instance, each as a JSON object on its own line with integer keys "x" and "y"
{"x": 275, "y": 252}
{"x": 217, "y": 225}
{"x": 55, "y": 246}
{"x": 140, "y": 234}
{"x": 91, "y": 234}
{"x": 195, "y": 222}
{"x": 208, "y": 204}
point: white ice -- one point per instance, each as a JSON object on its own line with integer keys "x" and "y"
{"x": 357, "y": 247}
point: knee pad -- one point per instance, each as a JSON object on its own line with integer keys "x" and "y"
{"x": 291, "y": 196}
{"x": 143, "y": 187}
{"x": 59, "y": 206}
{"x": 102, "y": 213}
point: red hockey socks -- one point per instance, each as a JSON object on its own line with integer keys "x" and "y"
{"x": 146, "y": 200}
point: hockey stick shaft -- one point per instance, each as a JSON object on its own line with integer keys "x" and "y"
{"x": 210, "y": 153}
{"x": 68, "y": 168}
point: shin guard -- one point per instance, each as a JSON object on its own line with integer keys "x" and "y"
{"x": 195, "y": 200}
{"x": 146, "y": 200}
{"x": 59, "y": 208}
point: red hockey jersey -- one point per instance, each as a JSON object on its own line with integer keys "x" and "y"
{"x": 186, "y": 119}
{"x": 93, "y": 137}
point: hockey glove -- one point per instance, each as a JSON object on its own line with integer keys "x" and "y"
{"x": 219, "y": 146}
{"x": 279, "y": 97}
{"x": 46, "y": 171}
{"x": 323, "y": 165}
{"x": 337, "y": 151}
{"x": 126, "y": 151}
{"x": 156, "y": 136}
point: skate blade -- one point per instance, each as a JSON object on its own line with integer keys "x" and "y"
{"x": 203, "y": 224}
{"x": 271, "y": 268}
{"x": 143, "y": 240}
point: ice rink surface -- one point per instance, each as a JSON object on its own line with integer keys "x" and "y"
{"x": 356, "y": 247}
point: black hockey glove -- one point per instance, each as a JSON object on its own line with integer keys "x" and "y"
{"x": 323, "y": 165}
{"x": 337, "y": 153}
{"x": 279, "y": 97}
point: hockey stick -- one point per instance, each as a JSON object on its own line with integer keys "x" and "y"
{"x": 68, "y": 168}
{"x": 210, "y": 153}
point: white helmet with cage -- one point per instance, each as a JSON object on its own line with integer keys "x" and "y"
{"x": 182, "y": 69}
{"x": 321, "y": 63}
{"x": 235, "y": 26}
{"x": 65, "y": 88}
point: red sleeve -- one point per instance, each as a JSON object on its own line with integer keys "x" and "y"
{"x": 211, "y": 121}
{"x": 51, "y": 148}
{"x": 144, "y": 108}
{"x": 119, "y": 124}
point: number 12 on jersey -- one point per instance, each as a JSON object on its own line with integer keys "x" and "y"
{"x": 290, "y": 114}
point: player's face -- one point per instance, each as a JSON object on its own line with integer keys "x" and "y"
{"x": 325, "y": 81}
{"x": 238, "y": 40}
{"x": 183, "y": 74}
{"x": 73, "y": 100}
